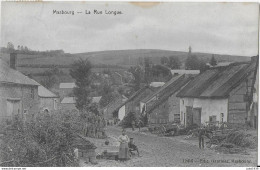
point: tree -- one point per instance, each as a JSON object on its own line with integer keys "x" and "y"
{"x": 147, "y": 69}
{"x": 137, "y": 73}
{"x": 192, "y": 63}
{"x": 26, "y": 49}
{"x": 10, "y": 46}
{"x": 159, "y": 71}
{"x": 164, "y": 61}
{"x": 174, "y": 62}
{"x": 106, "y": 94}
{"x": 81, "y": 72}
{"x": 213, "y": 61}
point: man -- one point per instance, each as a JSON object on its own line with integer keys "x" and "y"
{"x": 202, "y": 133}
{"x": 140, "y": 124}
{"x": 133, "y": 125}
{"x": 132, "y": 147}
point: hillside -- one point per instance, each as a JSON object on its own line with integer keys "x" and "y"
{"x": 118, "y": 57}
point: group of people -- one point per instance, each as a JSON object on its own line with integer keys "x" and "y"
{"x": 94, "y": 127}
{"x": 127, "y": 147}
{"x": 139, "y": 125}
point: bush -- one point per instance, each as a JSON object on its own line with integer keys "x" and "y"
{"x": 127, "y": 120}
{"x": 45, "y": 140}
{"x": 240, "y": 138}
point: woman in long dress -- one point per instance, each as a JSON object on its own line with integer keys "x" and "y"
{"x": 123, "y": 149}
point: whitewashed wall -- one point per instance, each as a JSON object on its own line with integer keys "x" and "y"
{"x": 210, "y": 107}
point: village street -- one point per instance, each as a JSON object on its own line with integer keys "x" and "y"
{"x": 171, "y": 151}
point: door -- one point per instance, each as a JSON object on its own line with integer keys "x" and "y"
{"x": 197, "y": 116}
{"x": 13, "y": 108}
{"x": 189, "y": 117}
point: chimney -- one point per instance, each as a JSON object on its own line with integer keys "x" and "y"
{"x": 13, "y": 60}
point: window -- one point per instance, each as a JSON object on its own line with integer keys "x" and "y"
{"x": 183, "y": 102}
{"x": 222, "y": 117}
{"x": 32, "y": 93}
{"x": 177, "y": 117}
{"x": 212, "y": 119}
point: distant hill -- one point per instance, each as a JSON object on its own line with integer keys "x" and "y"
{"x": 117, "y": 57}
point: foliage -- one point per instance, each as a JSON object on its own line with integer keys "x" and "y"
{"x": 107, "y": 95}
{"x": 193, "y": 63}
{"x": 42, "y": 140}
{"x": 174, "y": 62}
{"x": 164, "y": 61}
{"x": 138, "y": 76}
{"x": 213, "y": 61}
{"x": 147, "y": 69}
{"x": 127, "y": 120}
{"x": 160, "y": 71}
{"x": 241, "y": 138}
{"x": 81, "y": 72}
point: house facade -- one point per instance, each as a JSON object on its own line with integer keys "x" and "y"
{"x": 112, "y": 111}
{"x": 221, "y": 94}
{"x": 66, "y": 89}
{"x": 166, "y": 106}
{"x": 19, "y": 93}
{"x": 132, "y": 104}
{"x": 48, "y": 100}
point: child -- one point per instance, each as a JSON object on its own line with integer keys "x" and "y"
{"x": 132, "y": 146}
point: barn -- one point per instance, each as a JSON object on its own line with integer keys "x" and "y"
{"x": 219, "y": 94}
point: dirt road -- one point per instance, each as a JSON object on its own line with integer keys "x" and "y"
{"x": 174, "y": 151}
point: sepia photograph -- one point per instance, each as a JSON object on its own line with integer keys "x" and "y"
{"x": 129, "y": 84}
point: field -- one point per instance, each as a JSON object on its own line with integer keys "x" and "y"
{"x": 119, "y": 57}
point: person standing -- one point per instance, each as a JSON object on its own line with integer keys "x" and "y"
{"x": 123, "y": 148}
{"x": 133, "y": 125}
{"x": 140, "y": 124}
{"x": 202, "y": 133}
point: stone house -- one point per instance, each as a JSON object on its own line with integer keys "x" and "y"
{"x": 111, "y": 110}
{"x": 163, "y": 106}
{"x": 133, "y": 102}
{"x": 68, "y": 103}
{"x": 19, "y": 93}
{"x": 219, "y": 94}
{"x": 66, "y": 89}
{"x": 48, "y": 100}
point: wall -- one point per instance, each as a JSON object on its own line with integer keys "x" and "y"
{"x": 134, "y": 104}
{"x": 174, "y": 107}
{"x": 165, "y": 112}
{"x": 239, "y": 104}
{"x": 28, "y": 103}
{"x": 48, "y": 103}
{"x": 68, "y": 107}
{"x": 121, "y": 113}
{"x": 110, "y": 109}
{"x": 209, "y": 107}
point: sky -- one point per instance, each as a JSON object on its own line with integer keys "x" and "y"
{"x": 220, "y": 28}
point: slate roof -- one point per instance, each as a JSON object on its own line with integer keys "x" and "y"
{"x": 174, "y": 86}
{"x": 43, "y": 92}
{"x": 9, "y": 75}
{"x": 72, "y": 100}
{"x": 68, "y": 100}
{"x": 96, "y": 99}
{"x": 67, "y": 85}
{"x": 140, "y": 91}
{"x": 163, "y": 89}
{"x": 217, "y": 82}
{"x": 156, "y": 84}
{"x": 185, "y": 71}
